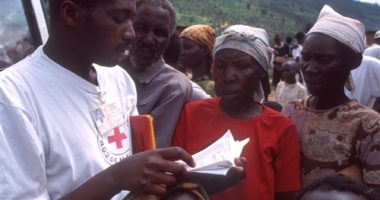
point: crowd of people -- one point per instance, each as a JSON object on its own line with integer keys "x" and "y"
{"x": 64, "y": 110}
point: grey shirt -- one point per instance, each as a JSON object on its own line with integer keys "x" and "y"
{"x": 161, "y": 92}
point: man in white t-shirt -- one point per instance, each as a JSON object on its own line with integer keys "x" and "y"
{"x": 297, "y": 48}
{"x": 64, "y": 122}
{"x": 374, "y": 49}
{"x": 367, "y": 82}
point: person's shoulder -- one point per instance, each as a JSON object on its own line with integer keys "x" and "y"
{"x": 280, "y": 84}
{"x": 371, "y": 60}
{"x": 361, "y": 111}
{"x": 296, "y": 106}
{"x": 369, "y": 118}
{"x": 369, "y": 66}
{"x": 19, "y": 71}
{"x": 174, "y": 78}
{"x": 209, "y": 103}
{"x": 280, "y": 120}
{"x": 372, "y": 47}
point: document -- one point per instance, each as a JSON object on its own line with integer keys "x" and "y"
{"x": 219, "y": 157}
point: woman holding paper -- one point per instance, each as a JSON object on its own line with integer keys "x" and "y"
{"x": 241, "y": 57}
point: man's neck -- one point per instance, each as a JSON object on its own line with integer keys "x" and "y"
{"x": 69, "y": 58}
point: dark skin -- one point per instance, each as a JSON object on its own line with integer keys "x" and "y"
{"x": 289, "y": 69}
{"x": 326, "y": 65}
{"x": 72, "y": 46}
{"x": 153, "y": 33}
{"x": 196, "y": 58}
{"x": 74, "y": 33}
{"x": 236, "y": 76}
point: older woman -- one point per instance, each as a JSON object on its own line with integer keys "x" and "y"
{"x": 197, "y": 44}
{"x": 336, "y": 133}
{"x": 241, "y": 57}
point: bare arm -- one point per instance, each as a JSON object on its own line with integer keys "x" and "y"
{"x": 150, "y": 172}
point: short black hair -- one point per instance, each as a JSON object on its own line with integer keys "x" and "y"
{"x": 166, "y": 5}
{"x": 55, "y": 6}
{"x": 339, "y": 183}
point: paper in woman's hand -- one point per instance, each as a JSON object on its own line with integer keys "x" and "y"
{"x": 219, "y": 157}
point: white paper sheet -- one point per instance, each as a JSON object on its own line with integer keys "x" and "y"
{"x": 219, "y": 157}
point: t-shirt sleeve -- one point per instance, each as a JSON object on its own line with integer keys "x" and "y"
{"x": 368, "y": 149}
{"x": 287, "y": 162}
{"x": 22, "y": 156}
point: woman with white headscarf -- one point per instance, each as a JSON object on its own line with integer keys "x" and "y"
{"x": 241, "y": 57}
{"x": 338, "y": 135}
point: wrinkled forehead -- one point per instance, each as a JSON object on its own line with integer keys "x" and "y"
{"x": 231, "y": 54}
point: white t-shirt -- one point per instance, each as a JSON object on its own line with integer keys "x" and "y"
{"x": 367, "y": 82}
{"x": 296, "y": 52}
{"x": 373, "y": 51}
{"x": 50, "y": 143}
{"x": 286, "y": 93}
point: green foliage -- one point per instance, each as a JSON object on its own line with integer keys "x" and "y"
{"x": 276, "y": 16}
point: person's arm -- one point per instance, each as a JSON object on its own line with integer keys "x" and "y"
{"x": 166, "y": 113}
{"x": 150, "y": 172}
{"x": 366, "y": 148}
{"x": 25, "y": 173}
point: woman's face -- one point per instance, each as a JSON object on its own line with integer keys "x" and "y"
{"x": 326, "y": 64}
{"x": 236, "y": 75}
{"x": 191, "y": 53}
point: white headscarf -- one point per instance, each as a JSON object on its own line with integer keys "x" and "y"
{"x": 346, "y": 30}
{"x": 250, "y": 40}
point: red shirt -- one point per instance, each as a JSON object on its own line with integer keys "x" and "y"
{"x": 273, "y": 163}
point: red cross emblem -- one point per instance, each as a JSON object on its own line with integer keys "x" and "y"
{"x": 117, "y": 138}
